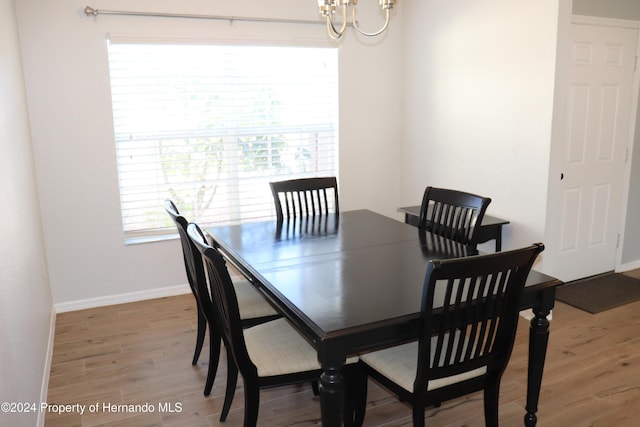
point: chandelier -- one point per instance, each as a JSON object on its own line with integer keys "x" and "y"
{"x": 327, "y": 8}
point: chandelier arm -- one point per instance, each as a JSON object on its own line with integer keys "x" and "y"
{"x": 380, "y": 31}
{"x": 333, "y": 33}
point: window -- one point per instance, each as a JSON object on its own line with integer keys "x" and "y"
{"x": 209, "y": 126}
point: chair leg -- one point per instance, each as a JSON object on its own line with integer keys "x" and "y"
{"x": 232, "y": 381}
{"x": 214, "y": 358}
{"x": 355, "y": 396}
{"x": 491, "y": 395}
{"x": 202, "y": 329}
{"x": 251, "y": 403}
{"x": 349, "y": 396}
{"x": 361, "y": 388}
{"x": 418, "y": 415}
{"x": 314, "y": 387}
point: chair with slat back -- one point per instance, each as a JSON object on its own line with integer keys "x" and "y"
{"x": 254, "y": 309}
{"x": 305, "y": 197}
{"x": 452, "y": 214}
{"x": 267, "y": 355}
{"x": 468, "y": 324}
{"x": 191, "y": 270}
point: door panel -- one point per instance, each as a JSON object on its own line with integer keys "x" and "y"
{"x": 599, "y": 110}
{"x": 571, "y": 212}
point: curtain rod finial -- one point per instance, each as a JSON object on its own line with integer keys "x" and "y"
{"x": 89, "y": 11}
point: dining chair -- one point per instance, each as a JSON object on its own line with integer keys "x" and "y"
{"x": 452, "y": 214}
{"x": 305, "y": 197}
{"x": 467, "y": 330}
{"x": 267, "y": 355}
{"x": 254, "y": 309}
{"x": 181, "y": 223}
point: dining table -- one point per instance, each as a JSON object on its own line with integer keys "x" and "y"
{"x": 352, "y": 282}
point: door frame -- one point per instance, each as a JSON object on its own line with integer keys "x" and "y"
{"x": 554, "y": 219}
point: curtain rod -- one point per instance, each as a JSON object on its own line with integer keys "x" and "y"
{"x": 89, "y": 11}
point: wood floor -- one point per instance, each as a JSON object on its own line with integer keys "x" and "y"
{"x": 140, "y": 353}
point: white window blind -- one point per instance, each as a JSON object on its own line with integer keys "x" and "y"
{"x": 209, "y": 126}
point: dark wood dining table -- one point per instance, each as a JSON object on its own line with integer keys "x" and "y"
{"x": 353, "y": 282}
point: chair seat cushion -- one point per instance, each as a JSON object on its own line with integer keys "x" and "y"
{"x": 251, "y": 303}
{"x": 400, "y": 364}
{"x": 276, "y": 348}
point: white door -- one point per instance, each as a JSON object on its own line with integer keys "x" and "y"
{"x": 592, "y": 181}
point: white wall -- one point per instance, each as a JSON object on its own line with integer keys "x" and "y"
{"x": 26, "y": 308}
{"x": 65, "y": 61}
{"x": 478, "y": 86}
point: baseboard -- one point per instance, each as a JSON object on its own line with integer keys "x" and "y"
{"x": 122, "y": 298}
{"x": 47, "y": 367}
{"x": 628, "y": 266}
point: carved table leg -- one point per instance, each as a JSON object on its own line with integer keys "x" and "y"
{"x": 331, "y": 397}
{"x": 538, "y": 340}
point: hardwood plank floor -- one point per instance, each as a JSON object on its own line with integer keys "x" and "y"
{"x": 140, "y": 353}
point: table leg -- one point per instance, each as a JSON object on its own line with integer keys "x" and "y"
{"x": 331, "y": 397}
{"x": 411, "y": 219}
{"x": 538, "y": 340}
{"x": 499, "y": 238}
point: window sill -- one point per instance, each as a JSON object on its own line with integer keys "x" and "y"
{"x": 138, "y": 240}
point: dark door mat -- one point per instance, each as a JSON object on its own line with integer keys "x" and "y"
{"x": 600, "y": 293}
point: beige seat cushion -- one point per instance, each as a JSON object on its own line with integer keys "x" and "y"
{"x": 400, "y": 364}
{"x": 276, "y": 348}
{"x": 251, "y": 302}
